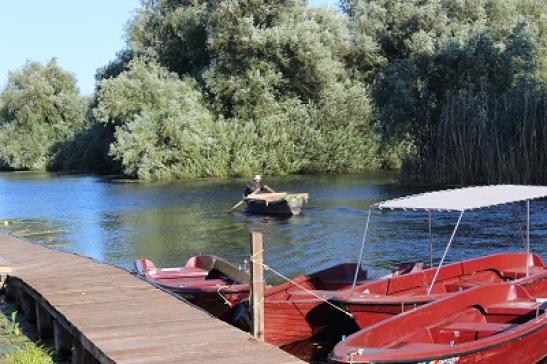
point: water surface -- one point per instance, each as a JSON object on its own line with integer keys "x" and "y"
{"x": 117, "y": 222}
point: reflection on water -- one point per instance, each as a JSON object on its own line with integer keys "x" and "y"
{"x": 168, "y": 222}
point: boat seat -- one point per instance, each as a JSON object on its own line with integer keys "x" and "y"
{"x": 518, "y": 273}
{"x": 189, "y": 283}
{"x": 461, "y": 332}
{"x": 516, "y": 308}
{"x": 175, "y": 273}
{"x": 460, "y": 286}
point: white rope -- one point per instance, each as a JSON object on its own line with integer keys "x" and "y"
{"x": 226, "y": 301}
{"x": 266, "y": 267}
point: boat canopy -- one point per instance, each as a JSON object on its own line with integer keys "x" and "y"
{"x": 468, "y": 198}
{"x": 459, "y": 200}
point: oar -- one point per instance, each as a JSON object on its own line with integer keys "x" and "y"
{"x": 235, "y": 206}
{"x": 240, "y": 202}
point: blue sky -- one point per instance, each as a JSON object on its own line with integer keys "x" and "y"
{"x": 83, "y": 35}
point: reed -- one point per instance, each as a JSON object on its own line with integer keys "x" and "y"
{"x": 485, "y": 139}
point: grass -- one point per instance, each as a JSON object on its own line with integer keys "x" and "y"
{"x": 18, "y": 340}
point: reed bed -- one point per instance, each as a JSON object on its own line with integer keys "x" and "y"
{"x": 484, "y": 139}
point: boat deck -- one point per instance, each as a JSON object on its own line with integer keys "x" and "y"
{"x": 104, "y": 314}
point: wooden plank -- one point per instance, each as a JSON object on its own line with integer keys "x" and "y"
{"x": 104, "y": 314}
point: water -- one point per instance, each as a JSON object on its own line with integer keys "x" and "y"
{"x": 117, "y": 222}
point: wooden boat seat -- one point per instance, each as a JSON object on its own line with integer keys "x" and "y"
{"x": 176, "y": 273}
{"x": 517, "y": 308}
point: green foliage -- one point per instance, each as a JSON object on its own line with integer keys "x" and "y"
{"x": 39, "y": 107}
{"x": 29, "y": 354}
{"x": 221, "y": 88}
{"x": 269, "y": 73}
{"x": 419, "y": 52}
{"x": 159, "y": 121}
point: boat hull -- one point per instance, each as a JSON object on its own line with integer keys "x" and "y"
{"x": 281, "y": 207}
{"x": 496, "y": 323}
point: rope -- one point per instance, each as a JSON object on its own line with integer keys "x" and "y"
{"x": 226, "y": 302}
{"x": 266, "y": 267}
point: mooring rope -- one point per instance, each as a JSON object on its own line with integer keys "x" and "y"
{"x": 226, "y": 301}
{"x": 279, "y": 274}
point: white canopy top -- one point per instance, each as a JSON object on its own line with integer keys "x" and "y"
{"x": 467, "y": 198}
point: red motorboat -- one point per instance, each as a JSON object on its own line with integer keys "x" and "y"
{"x": 207, "y": 281}
{"x": 377, "y": 301}
{"x": 490, "y": 324}
{"x": 380, "y": 300}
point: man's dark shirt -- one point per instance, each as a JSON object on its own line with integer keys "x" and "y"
{"x": 253, "y": 187}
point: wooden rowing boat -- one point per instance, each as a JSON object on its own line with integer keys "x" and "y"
{"x": 278, "y": 203}
{"x": 494, "y": 323}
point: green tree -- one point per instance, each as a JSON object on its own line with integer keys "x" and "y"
{"x": 160, "y": 122}
{"x": 40, "y": 108}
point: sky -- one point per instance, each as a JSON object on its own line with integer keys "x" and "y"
{"x": 83, "y": 35}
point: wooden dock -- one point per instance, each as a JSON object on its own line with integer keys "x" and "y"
{"x": 100, "y": 313}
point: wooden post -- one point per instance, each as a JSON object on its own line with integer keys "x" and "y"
{"x": 257, "y": 288}
{"x": 44, "y": 322}
{"x": 27, "y": 306}
{"x": 62, "y": 339}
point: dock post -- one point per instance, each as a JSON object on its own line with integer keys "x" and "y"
{"x": 62, "y": 339}
{"x": 44, "y": 322}
{"x": 257, "y": 287}
{"x": 27, "y": 306}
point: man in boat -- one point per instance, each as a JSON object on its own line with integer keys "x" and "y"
{"x": 256, "y": 186}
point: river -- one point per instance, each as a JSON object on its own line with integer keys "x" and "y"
{"x": 117, "y": 222}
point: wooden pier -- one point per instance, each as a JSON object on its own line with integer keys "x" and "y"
{"x": 100, "y": 313}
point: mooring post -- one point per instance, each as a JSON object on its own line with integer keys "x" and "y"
{"x": 44, "y": 322}
{"x": 62, "y": 339}
{"x": 257, "y": 288}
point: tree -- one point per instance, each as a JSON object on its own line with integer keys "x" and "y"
{"x": 160, "y": 122}
{"x": 40, "y": 107}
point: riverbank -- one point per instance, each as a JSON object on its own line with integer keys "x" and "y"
{"x": 18, "y": 339}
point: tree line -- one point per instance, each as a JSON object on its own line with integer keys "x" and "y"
{"x": 451, "y": 90}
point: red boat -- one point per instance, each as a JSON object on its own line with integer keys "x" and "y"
{"x": 377, "y": 301}
{"x": 374, "y": 303}
{"x": 491, "y": 324}
{"x": 219, "y": 287}
{"x": 298, "y": 310}
{"x": 207, "y": 281}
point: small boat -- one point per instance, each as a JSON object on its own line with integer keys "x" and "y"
{"x": 375, "y": 302}
{"x": 207, "y": 281}
{"x": 294, "y": 311}
{"x": 278, "y": 203}
{"x": 490, "y": 324}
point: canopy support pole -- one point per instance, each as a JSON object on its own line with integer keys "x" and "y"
{"x": 444, "y": 255}
{"x": 430, "y": 242}
{"x": 358, "y": 267}
{"x": 527, "y": 237}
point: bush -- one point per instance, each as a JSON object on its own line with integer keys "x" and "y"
{"x": 39, "y": 108}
